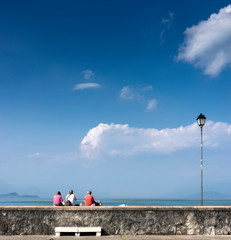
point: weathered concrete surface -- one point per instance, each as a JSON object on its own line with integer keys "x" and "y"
{"x": 117, "y": 220}
{"x": 117, "y": 237}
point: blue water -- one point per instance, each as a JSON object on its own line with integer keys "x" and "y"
{"x": 117, "y": 202}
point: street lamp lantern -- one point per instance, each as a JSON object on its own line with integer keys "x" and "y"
{"x": 201, "y": 122}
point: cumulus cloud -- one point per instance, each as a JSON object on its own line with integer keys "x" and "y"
{"x": 88, "y": 74}
{"x": 82, "y": 86}
{"x": 151, "y": 104}
{"x": 207, "y": 45}
{"x": 122, "y": 140}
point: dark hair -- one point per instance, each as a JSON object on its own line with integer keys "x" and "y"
{"x": 71, "y": 192}
{"x": 58, "y": 193}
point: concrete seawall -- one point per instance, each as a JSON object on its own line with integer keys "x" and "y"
{"x": 117, "y": 220}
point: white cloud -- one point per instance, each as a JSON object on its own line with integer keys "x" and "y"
{"x": 169, "y": 19}
{"x": 208, "y": 44}
{"x": 147, "y": 88}
{"x": 138, "y": 95}
{"x": 67, "y": 157}
{"x": 151, "y": 104}
{"x": 36, "y": 155}
{"x": 127, "y": 93}
{"x": 166, "y": 22}
{"x": 88, "y": 74}
{"x": 82, "y": 86}
{"x": 122, "y": 140}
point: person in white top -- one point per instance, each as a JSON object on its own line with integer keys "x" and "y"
{"x": 71, "y": 197}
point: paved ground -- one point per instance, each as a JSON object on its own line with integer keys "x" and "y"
{"x": 117, "y": 237}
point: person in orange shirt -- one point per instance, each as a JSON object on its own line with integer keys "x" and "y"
{"x": 88, "y": 199}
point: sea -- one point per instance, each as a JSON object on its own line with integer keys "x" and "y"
{"x": 119, "y": 202}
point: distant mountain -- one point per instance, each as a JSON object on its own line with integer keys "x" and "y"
{"x": 15, "y": 195}
{"x": 4, "y": 187}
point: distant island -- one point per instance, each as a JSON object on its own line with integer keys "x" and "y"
{"x": 15, "y": 195}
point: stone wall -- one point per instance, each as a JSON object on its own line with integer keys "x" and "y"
{"x": 117, "y": 220}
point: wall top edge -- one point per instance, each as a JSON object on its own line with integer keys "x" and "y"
{"x": 118, "y": 208}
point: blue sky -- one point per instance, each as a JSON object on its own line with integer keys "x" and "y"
{"x": 104, "y": 95}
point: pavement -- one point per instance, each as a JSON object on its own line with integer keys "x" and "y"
{"x": 117, "y": 237}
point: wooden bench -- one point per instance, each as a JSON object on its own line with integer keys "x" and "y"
{"x": 77, "y": 230}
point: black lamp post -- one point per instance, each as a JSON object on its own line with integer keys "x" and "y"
{"x": 201, "y": 122}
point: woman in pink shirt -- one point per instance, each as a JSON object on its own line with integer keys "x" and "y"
{"x": 57, "y": 201}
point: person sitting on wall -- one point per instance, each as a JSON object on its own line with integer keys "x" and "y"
{"x": 71, "y": 197}
{"x": 57, "y": 200}
{"x": 89, "y": 199}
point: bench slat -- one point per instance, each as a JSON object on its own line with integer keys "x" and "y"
{"x": 77, "y": 230}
